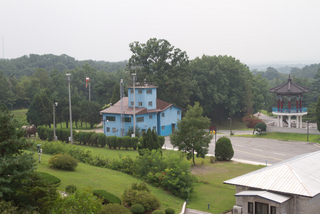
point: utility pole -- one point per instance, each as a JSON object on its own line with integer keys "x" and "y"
{"x": 88, "y": 81}
{"x": 134, "y": 104}
{"x": 71, "y": 135}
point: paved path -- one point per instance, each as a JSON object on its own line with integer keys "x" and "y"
{"x": 190, "y": 211}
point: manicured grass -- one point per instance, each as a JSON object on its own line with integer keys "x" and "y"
{"x": 21, "y": 116}
{"x": 210, "y": 188}
{"x": 286, "y": 136}
{"x": 86, "y": 176}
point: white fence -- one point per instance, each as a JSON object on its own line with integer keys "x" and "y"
{"x": 291, "y": 130}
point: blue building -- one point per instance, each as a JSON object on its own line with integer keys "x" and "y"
{"x": 150, "y": 112}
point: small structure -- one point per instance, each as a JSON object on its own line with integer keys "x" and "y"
{"x": 149, "y": 112}
{"x": 291, "y": 91}
{"x": 289, "y": 187}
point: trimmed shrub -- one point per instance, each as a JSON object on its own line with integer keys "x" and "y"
{"x": 224, "y": 150}
{"x": 158, "y": 212}
{"x": 113, "y": 142}
{"x": 71, "y": 188}
{"x": 118, "y": 143}
{"x": 87, "y": 138}
{"x": 137, "y": 209}
{"x": 107, "y": 197}
{"x": 169, "y": 211}
{"x": 76, "y": 136}
{"x": 260, "y": 127}
{"x": 161, "y": 141}
{"x": 94, "y": 139}
{"x": 114, "y": 208}
{"x": 63, "y": 161}
{"x": 108, "y": 141}
{"x": 50, "y": 134}
{"x": 102, "y": 139}
{"x": 82, "y": 137}
{"x": 134, "y": 142}
{"x": 147, "y": 199}
{"x": 251, "y": 121}
{"x": 53, "y": 147}
{"x": 51, "y": 179}
{"x": 126, "y": 142}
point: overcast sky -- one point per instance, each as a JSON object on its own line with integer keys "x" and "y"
{"x": 253, "y": 31}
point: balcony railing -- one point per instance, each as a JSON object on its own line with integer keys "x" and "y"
{"x": 292, "y": 110}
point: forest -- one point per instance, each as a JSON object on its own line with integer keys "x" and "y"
{"x": 222, "y": 85}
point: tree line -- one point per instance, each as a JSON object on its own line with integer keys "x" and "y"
{"x": 222, "y": 85}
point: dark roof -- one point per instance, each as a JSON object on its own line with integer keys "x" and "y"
{"x": 116, "y": 108}
{"x": 289, "y": 88}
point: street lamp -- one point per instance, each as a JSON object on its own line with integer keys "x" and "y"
{"x": 230, "y": 125}
{"x": 55, "y": 104}
{"x": 134, "y": 104}
{"x": 308, "y": 121}
{"x": 71, "y": 135}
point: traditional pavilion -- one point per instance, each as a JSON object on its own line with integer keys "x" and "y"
{"x": 292, "y": 91}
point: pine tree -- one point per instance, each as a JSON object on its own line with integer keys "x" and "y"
{"x": 116, "y": 94}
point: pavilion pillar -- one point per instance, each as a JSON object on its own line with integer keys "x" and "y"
{"x": 297, "y": 104}
{"x": 281, "y": 103}
{"x": 278, "y": 98}
{"x": 289, "y": 122}
{"x": 297, "y": 121}
{"x": 300, "y": 103}
{"x": 278, "y": 121}
{"x": 289, "y": 103}
{"x": 301, "y": 121}
{"x": 281, "y": 120}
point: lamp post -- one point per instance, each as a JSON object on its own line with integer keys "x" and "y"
{"x": 71, "y": 135}
{"x": 308, "y": 121}
{"x": 55, "y": 104}
{"x": 230, "y": 125}
{"x": 134, "y": 104}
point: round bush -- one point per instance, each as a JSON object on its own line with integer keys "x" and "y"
{"x": 169, "y": 211}
{"x": 158, "y": 212}
{"x": 71, "y": 188}
{"x": 224, "y": 150}
{"x": 261, "y": 126}
{"x": 102, "y": 139}
{"x": 114, "y": 208}
{"x": 63, "y": 161}
{"x": 137, "y": 209}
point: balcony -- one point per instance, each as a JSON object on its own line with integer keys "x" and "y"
{"x": 289, "y": 111}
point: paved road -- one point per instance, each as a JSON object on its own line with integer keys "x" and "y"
{"x": 260, "y": 150}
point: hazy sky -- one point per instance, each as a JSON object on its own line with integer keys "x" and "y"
{"x": 252, "y": 31}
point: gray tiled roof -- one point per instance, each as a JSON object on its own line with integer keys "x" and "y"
{"x": 289, "y": 87}
{"x": 298, "y": 176}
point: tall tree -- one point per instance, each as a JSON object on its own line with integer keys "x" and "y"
{"x": 116, "y": 94}
{"x": 318, "y": 113}
{"x": 191, "y": 135}
{"x": 159, "y": 62}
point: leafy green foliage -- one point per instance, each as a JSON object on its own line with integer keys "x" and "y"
{"x": 224, "y": 150}
{"x": 158, "y": 212}
{"x": 51, "y": 179}
{"x": 107, "y": 197}
{"x": 137, "y": 130}
{"x": 114, "y": 208}
{"x": 318, "y": 113}
{"x": 137, "y": 209}
{"x": 251, "y": 121}
{"x": 71, "y": 188}
{"x": 102, "y": 140}
{"x": 82, "y": 201}
{"x": 260, "y": 127}
{"x": 94, "y": 139}
{"x": 63, "y": 161}
{"x": 169, "y": 211}
{"x": 191, "y": 135}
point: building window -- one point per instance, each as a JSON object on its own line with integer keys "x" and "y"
{"x": 149, "y": 91}
{"x": 162, "y": 114}
{"x": 139, "y": 103}
{"x": 140, "y": 119}
{"x": 132, "y": 103}
{"x": 131, "y": 91}
{"x": 250, "y": 208}
{"x": 108, "y": 129}
{"x": 111, "y": 118}
{"x": 114, "y": 130}
{"x": 261, "y": 208}
{"x": 150, "y": 116}
{"x": 273, "y": 210}
{"x": 154, "y": 128}
{"x": 127, "y": 119}
{"x": 140, "y": 91}
{"x": 178, "y": 112}
{"x": 150, "y": 103}
{"x": 162, "y": 127}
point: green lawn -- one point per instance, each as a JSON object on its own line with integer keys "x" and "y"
{"x": 286, "y": 136}
{"x": 115, "y": 182}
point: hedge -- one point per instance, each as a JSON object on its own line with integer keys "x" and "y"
{"x": 107, "y": 197}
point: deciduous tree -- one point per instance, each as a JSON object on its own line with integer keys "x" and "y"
{"x": 191, "y": 135}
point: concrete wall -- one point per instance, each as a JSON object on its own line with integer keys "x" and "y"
{"x": 171, "y": 117}
{"x": 291, "y": 130}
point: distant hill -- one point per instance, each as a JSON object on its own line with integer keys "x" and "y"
{"x": 282, "y": 68}
{"x": 27, "y": 65}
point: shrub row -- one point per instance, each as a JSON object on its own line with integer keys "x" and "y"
{"x": 171, "y": 172}
{"x": 51, "y": 179}
{"x": 91, "y": 138}
{"x": 107, "y": 197}
{"x": 46, "y": 133}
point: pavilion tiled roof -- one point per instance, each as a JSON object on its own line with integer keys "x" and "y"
{"x": 116, "y": 108}
{"x": 289, "y": 87}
